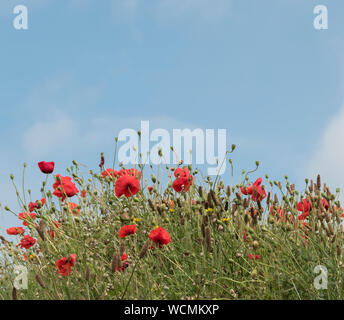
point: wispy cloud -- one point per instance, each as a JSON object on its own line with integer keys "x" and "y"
{"x": 328, "y": 159}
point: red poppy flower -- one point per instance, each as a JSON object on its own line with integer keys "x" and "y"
{"x": 73, "y": 208}
{"x": 253, "y": 257}
{"x": 325, "y": 203}
{"x": 257, "y": 192}
{"x": 110, "y": 173}
{"x": 83, "y": 193}
{"x": 305, "y": 206}
{"x": 127, "y": 230}
{"x": 130, "y": 172}
{"x": 127, "y": 185}
{"x": 27, "y": 217}
{"x": 184, "y": 180}
{"x": 64, "y": 187}
{"x": 160, "y": 236}
{"x": 150, "y": 189}
{"x": 36, "y": 205}
{"x": 27, "y": 242}
{"x": 51, "y": 231}
{"x": 125, "y": 264}
{"x": 65, "y": 265}
{"x": 46, "y": 167}
{"x": 15, "y": 231}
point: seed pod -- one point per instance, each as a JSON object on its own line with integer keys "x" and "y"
{"x": 208, "y": 238}
{"x": 268, "y": 198}
{"x": 339, "y": 250}
{"x": 87, "y": 274}
{"x": 331, "y": 228}
{"x": 213, "y": 197}
{"x": 122, "y": 248}
{"x": 200, "y": 191}
{"x": 144, "y": 249}
{"x": 275, "y": 199}
{"x": 40, "y": 281}
{"x": 318, "y": 182}
{"x": 238, "y": 196}
{"x": 116, "y": 261}
{"x": 151, "y": 204}
{"x": 14, "y": 293}
{"x": 228, "y": 191}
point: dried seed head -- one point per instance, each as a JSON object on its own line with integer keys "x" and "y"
{"x": 40, "y": 281}
{"x": 228, "y": 191}
{"x": 14, "y": 293}
{"x": 116, "y": 261}
{"x": 208, "y": 238}
{"x": 87, "y": 274}
{"x": 318, "y": 182}
{"x": 339, "y": 250}
{"x": 144, "y": 249}
{"x": 122, "y": 248}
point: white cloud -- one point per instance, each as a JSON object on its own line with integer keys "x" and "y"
{"x": 328, "y": 159}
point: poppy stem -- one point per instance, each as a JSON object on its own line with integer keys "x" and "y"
{"x": 126, "y": 287}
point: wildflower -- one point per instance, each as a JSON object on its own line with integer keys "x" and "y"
{"x": 130, "y": 172}
{"x": 65, "y": 265}
{"x": 150, "y": 189}
{"x": 83, "y": 193}
{"x": 305, "y": 207}
{"x": 184, "y": 180}
{"x": 27, "y": 242}
{"x": 127, "y": 185}
{"x": 46, "y": 167}
{"x": 257, "y": 192}
{"x": 36, "y": 205}
{"x": 137, "y": 220}
{"x": 110, "y": 173}
{"x": 15, "y": 231}
{"x": 160, "y": 236}
{"x": 127, "y": 230}
{"x": 225, "y": 219}
{"x": 64, "y": 187}
{"x": 253, "y": 257}
{"x": 124, "y": 264}
{"x": 73, "y": 208}
{"x": 27, "y": 217}
{"x": 324, "y": 203}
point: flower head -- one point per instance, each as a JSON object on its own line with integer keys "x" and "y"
{"x": 127, "y": 185}
{"x": 46, "y": 167}
{"x": 15, "y": 231}
{"x": 65, "y": 265}
{"x": 184, "y": 180}
{"x": 64, "y": 187}
{"x": 160, "y": 236}
{"x": 127, "y": 230}
{"x": 27, "y": 242}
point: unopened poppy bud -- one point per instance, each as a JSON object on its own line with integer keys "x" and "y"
{"x": 12, "y": 176}
{"x": 75, "y": 163}
{"x": 139, "y": 133}
{"x": 153, "y": 178}
{"x": 257, "y": 163}
{"x": 160, "y": 152}
{"x": 24, "y": 164}
{"x": 233, "y": 147}
{"x": 7, "y": 208}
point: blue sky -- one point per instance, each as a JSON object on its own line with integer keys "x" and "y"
{"x": 86, "y": 69}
